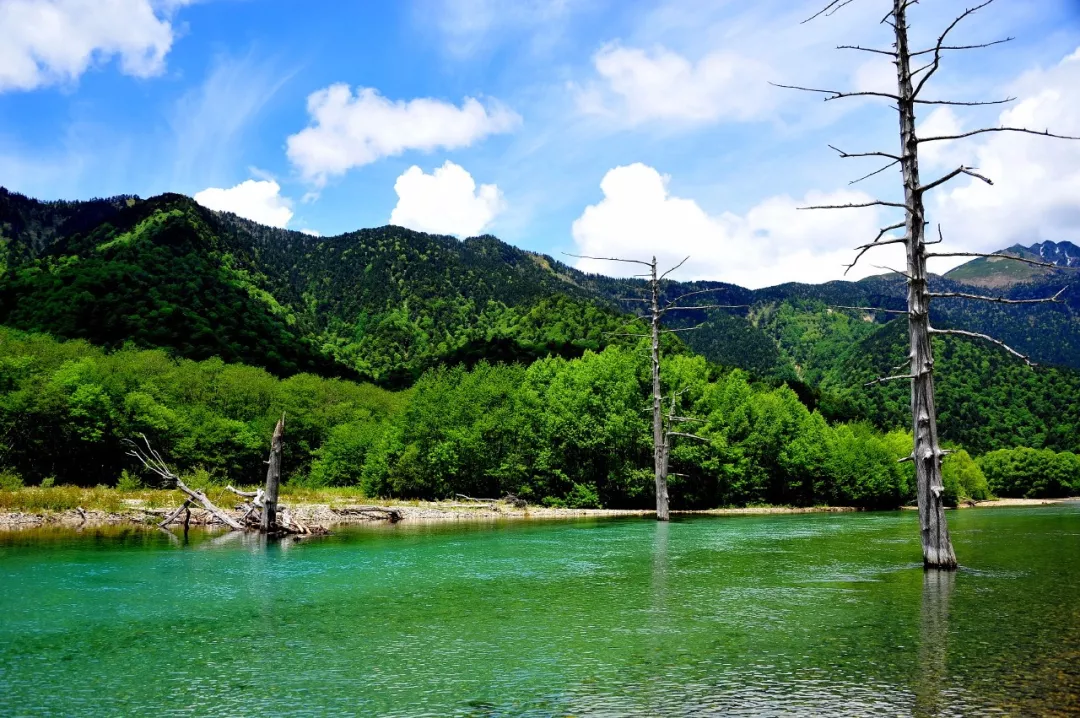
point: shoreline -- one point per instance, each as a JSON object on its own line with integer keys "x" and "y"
{"x": 327, "y": 515}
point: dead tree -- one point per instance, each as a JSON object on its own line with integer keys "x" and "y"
{"x": 909, "y": 95}
{"x": 672, "y": 421}
{"x": 152, "y": 460}
{"x": 251, "y": 517}
{"x": 655, "y": 316}
{"x": 273, "y": 479}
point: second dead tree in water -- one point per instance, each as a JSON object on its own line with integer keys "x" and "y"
{"x": 927, "y": 453}
{"x": 655, "y": 314}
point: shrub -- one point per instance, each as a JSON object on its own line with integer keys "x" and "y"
{"x": 583, "y": 496}
{"x": 10, "y": 481}
{"x": 128, "y": 482}
{"x": 963, "y": 479}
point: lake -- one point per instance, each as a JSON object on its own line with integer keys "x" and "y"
{"x": 828, "y": 614}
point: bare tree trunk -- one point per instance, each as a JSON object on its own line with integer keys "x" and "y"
{"x": 659, "y": 440}
{"x": 937, "y": 548}
{"x": 273, "y": 479}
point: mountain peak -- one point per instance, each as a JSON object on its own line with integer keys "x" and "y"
{"x": 998, "y": 273}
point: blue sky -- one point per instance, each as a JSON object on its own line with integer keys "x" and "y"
{"x": 581, "y": 126}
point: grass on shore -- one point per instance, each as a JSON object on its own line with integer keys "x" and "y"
{"x": 35, "y": 499}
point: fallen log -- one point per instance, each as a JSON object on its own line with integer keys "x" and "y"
{"x": 174, "y": 515}
{"x": 382, "y": 512}
{"x": 209, "y": 506}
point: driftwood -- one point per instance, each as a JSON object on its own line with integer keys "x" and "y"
{"x": 255, "y": 511}
{"x": 153, "y": 461}
{"x": 381, "y": 512}
{"x": 470, "y": 498}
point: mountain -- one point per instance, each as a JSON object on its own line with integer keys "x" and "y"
{"x": 996, "y": 273}
{"x": 383, "y": 304}
{"x": 387, "y": 304}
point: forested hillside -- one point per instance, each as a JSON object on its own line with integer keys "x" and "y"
{"x": 405, "y": 309}
{"x": 381, "y": 304}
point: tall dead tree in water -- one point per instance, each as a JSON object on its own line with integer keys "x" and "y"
{"x": 655, "y": 315}
{"x": 273, "y": 479}
{"x": 910, "y": 84}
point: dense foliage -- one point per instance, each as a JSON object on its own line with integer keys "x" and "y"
{"x": 559, "y": 431}
{"x": 986, "y": 399}
{"x": 1028, "y": 473}
{"x": 65, "y": 408}
{"x": 566, "y": 430}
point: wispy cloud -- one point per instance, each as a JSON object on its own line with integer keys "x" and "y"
{"x": 210, "y": 122}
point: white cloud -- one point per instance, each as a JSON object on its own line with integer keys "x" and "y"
{"x": 640, "y": 86}
{"x": 45, "y": 42}
{"x": 773, "y": 242}
{"x": 310, "y": 232}
{"x": 352, "y": 131}
{"x": 446, "y": 201}
{"x": 257, "y": 200}
{"x": 1036, "y": 190}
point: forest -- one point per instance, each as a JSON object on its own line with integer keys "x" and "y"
{"x": 417, "y": 366}
{"x": 558, "y": 431}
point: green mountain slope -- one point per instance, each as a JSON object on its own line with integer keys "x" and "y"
{"x": 387, "y": 304}
{"x": 383, "y": 304}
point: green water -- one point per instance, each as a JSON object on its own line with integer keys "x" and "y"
{"x": 821, "y": 614}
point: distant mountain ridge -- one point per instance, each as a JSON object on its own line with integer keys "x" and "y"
{"x": 997, "y": 273}
{"x": 387, "y": 303}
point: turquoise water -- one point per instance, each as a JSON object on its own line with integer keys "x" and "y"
{"x": 827, "y": 614}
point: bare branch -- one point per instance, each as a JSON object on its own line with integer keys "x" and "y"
{"x": 956, "y": 103}
{"x": 999, "y": 256}
{"x": 984, "y": 337}
{"x": 674, "y": 268}
{"x": 688, "y": 436}
{"x": 690, "y": 294}
{"x": 866, "y": 247}
{"x": 894, "y": 271}
{"x": 878, "y": 243}
{"x": 846, "y": 155}
{"x": 610, "y": 259}
{"x": 869, "y": 309}
{"x": 941, "y": 41}
{"x": 962, "y": 47}
{"x": 687, "y": 329}
{"x": 709, "y": 306}
{"x": 875, "y": 172}
{"x": 686, "y": 418}
{"x": 961, "y": 170}
{"x": 625, "y": 334}
{"x": 883, "y": 379}
{"x": 1024, "y": 130}
{"x": 890, "y": 53}
{"x": 828, "y": 10}
{"x": 875, "y": 203}
{"x": 1001, "y": 300}
{"x": 837, "y": 94}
